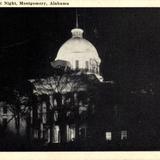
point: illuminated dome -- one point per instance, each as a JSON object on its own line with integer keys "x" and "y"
{"x": 80, "y": 53}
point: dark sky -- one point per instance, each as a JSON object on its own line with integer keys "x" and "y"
{"x": 127, "y": 39}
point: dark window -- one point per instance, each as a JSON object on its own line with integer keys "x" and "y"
{"x": 4, "y": 109}
{"x": 4, "y": 122}
{"x": 87, "y": 66}
{"x": 77, "y": 64}
{"x": 97, "y": 69}
{"x": 82, "y": 132}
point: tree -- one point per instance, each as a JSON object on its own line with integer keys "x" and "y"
{"x": 62, "y": 82}
{"x": 17, "y": 101}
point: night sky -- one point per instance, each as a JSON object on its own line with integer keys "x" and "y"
{"x": 127, "y": 40}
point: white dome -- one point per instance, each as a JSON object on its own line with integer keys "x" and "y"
{"x": 77, "y": 47}
{"x": 79, "y": 50}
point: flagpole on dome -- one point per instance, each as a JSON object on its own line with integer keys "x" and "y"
{"x": 77, "y": 25}
{"x": 77, "y": 32}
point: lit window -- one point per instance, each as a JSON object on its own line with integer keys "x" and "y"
{"x": 56, "y": 134}
{"x": 55, "y": 102}
{"x": 35, "y": 134}
{"x": 56, "y": 115}
{"x": 123, "y": 135}
{"x": 71, "y": 133}
{"x": 68, "y": 113}
{"x": 44, "y": 118}
{"x": 77, "y": 64}
{"x": 108, "y": 136}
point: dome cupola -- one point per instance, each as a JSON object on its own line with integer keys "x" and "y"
{"x": 77, "y": 33}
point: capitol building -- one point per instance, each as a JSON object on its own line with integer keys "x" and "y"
{"x": 62, "y": 105}
{"x": 79, "y": 62}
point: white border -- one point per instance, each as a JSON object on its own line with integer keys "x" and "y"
{"x": 86, "y": 3}
{"x": 80, "y": 156}
{"x": 86, "y": 155}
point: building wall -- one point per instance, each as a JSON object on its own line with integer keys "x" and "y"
{"x": 7, "y": 120}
